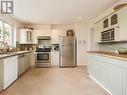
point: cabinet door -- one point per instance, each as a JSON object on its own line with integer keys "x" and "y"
{"x": 123, "y": 24}
{"x": 97, "y": 31}
{"x": 105, "y": 74}
{"x": 22, "y": 64}
{"x": 25, "y": 36}
{"x": 34, "y": 36}
{"x": 25, "y": 62}
{"x": 94, "y": 67}
{"x": 55, "y": 57}
{"x": 22, "y": 36}
{"x": 116, "y": 80}
{"x": 19, "y": 65}
{"x": 29, "y": 59}
{"x": 55, "y": 37}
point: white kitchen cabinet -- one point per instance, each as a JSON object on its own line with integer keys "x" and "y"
{"x": 98, "y": 28}
{"x": 10, "y": 68}
{"x": 37, "y": 33}
{"x": 25, "y": 36}
{"x": 116, "y": 80}
{"x": 55, "y": 37}
{"x": 122, "y": 24}
{"x": 24, "y": 62}
{"x": 109, "y": 72}
{"x": 55, "y": 57}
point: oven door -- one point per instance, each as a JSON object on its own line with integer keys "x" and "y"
{"x": 43, "y": 57}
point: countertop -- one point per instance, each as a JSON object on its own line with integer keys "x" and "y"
{"x": 13, "y": 54}
{"x": 122, "y": 57}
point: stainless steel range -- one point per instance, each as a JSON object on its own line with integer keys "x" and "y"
{"x": 43, "y": 59}
{"x": 43, "y": 52}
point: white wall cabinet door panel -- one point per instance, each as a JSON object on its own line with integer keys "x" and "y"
{"x": 25, "y": 36}
{"x": 55, "y": 37}
{"x": 123, "y": 24}
{"x": 98, "y": 28}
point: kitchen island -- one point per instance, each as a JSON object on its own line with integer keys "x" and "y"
{"x": 109, "y": 70}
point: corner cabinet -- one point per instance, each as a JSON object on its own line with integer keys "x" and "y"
{"x": 25, "y": 36}
{"x": 110, "y": 73}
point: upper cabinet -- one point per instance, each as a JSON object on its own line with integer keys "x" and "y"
{"x": 25, "y": 36}
{"x": 123, "y": 24}
{"x": 117, "y": 21}
{"x": 55, "y": 37}
{"x": 98, "y": 27}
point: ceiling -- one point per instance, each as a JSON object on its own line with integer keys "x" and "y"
{"x": 59, "y": 11}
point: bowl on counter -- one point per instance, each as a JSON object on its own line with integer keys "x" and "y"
{"x": 122, "y": 50}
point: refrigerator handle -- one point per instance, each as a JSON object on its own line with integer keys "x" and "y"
{"x": 61, "y": 49}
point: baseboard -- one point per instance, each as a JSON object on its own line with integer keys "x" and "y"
{"x": 100, "y": 85}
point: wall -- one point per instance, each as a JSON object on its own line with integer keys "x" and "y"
{"x": 83, "y": 34}
{"x": 112, "y": 46}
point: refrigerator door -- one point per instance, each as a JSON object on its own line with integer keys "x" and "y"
{"x": 66, "y": 40}
{"x": 67, "y": 56}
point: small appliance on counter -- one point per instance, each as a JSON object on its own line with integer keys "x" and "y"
{"x": 43, "y": 52}
{"x": 55, "y": 47}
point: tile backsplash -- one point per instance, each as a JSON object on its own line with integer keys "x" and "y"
{"x": 111, "y": 47}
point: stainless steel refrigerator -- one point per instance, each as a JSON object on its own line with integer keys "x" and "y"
{"x": 67, "y": 51}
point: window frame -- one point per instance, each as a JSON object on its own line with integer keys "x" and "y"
{"x": 12, "y": 32}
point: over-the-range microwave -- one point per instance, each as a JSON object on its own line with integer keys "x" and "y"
{"x": 109, "y": 35}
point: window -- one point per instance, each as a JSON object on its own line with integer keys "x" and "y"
{"x": 6, "y": 33}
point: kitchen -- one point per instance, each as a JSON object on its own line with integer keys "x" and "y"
{"x": 48, "y": 52}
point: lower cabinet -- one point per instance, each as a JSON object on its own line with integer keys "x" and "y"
{"x": 24, "y": 62}
{"x": 55, "y": 58}
{"x": 112, "y": 76}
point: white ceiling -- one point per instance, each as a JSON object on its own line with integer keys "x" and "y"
{"x": 59, "y": 11}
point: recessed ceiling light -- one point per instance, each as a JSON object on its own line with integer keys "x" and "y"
{"x": 79, "y": 17}
{"x": 54, "y": 22}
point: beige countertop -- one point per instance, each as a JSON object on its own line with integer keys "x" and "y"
{"x": 122, "y": 57}
{"x": 13, "y": 54}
